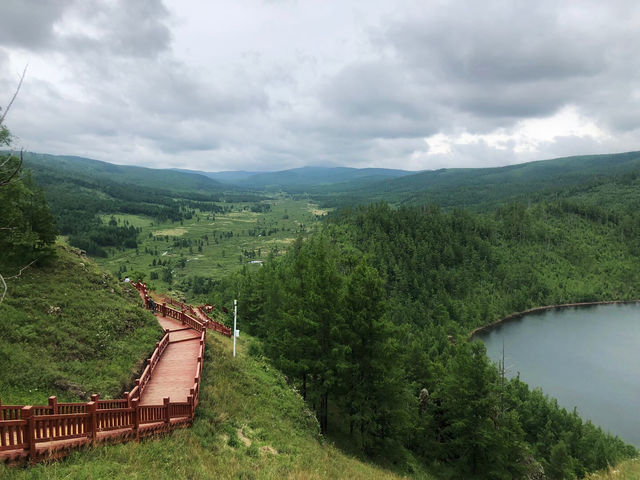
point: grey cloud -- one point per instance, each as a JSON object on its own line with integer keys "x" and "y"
{"x": 29, "y": 23}
{"x": 374, "y": 88}
{"x": 497, "y": 42}
{"x": 122, "y": 28}
{"x": 508, "y": 60}
{"x": 140, "y": 28}
{"x": 169, "y": 89}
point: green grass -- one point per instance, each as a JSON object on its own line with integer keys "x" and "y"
{"x": 222, "y": 251}
{"x": 625, "y": 470}
{"x": 249, "y": 425}
{"x": 70, "y": 329}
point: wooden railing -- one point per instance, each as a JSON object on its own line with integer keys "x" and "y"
{"x": 141, "y": 383}
{"x": 200, "y": 314}
{"x": 23, "y": 427}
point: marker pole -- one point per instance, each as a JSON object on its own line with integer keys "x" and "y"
{"x": 235, "y": 318}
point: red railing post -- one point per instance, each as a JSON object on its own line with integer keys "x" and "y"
{"x": 190, "y": 401}
{"x": 53, "y": 403}
{"x": 127, "y": 398}
{"x": 166, "y": 402}
{"x": 95, "y": 398}
{"x": 136, "y": 417}
{"x": 164, "y": 309}
{"x": 92, "y": 427}
{"x": 27, "y": 414}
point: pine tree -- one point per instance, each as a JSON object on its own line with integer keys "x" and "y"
{"x": 372, "y": 384}
{"x": 479, "y": 439}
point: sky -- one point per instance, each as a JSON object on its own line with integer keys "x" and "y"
{"x": 270, "y": 85}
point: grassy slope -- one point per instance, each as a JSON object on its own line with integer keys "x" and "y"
{"x": 241, "y": 397}
{"x": 625, "y": 470}
{"x": 70, "y": 330}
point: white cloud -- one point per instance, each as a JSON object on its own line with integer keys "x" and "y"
{"x": 525, "y": 138}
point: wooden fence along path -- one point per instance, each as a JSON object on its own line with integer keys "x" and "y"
{"x": 200, "y": 314}
{"x": 163, "y": 398}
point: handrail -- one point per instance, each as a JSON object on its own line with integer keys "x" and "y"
{"x": 22, "y": 427}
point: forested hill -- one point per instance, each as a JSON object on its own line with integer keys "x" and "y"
{"x": 65, "y": 167}
{"x": 80, "y": 191}
{"x": 301, "y": 178}
{"x": 485, "y": 188}
{"x": 304, "y": 179}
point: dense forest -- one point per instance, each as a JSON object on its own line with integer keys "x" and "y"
{"x": 370, "y": 319}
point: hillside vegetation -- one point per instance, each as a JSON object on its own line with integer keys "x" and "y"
{"x": 249, "y": 424}
{"x": 70, "y": 329}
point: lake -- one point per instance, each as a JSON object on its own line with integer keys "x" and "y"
{"x": 588, "y": 357}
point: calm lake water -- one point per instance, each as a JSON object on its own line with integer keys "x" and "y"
{"x": 588, "y": 357}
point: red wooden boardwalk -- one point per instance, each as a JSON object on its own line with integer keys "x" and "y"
{"x": 164, "y": 397}
{"x": 174, "y": 375}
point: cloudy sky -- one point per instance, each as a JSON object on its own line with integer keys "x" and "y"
{"x": 268, "y": 85}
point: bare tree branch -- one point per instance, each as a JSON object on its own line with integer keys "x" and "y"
{"x": 14, "y": 173}
{"x": 6, "y": 110}
{"x": 23, "y": 269}
{"x": 4, "y": 284}
{"x": 7, "y": 160}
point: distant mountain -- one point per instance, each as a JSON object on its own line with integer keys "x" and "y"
{"x": 305, "y": 179}
{"x": 86, "y": 168}
{"x": 474, "y": 187}
{"x": 230, "y": 177}
{"x": 313, "y": 176}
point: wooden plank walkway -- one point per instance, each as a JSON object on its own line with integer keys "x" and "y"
{"x": 174, "y": 374}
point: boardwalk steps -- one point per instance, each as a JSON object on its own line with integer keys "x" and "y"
{"x": 164, "y": 398}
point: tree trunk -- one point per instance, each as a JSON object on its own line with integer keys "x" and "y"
{"x": 324, "y": 403}
{"x": 304, "y": 386}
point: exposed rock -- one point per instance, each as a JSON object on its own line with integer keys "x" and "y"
{"x": 54, "y": 310}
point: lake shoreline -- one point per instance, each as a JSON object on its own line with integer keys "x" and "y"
{"x": 517, "y": 315}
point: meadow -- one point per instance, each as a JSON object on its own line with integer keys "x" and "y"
{"x": 209, "y": 245}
